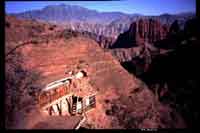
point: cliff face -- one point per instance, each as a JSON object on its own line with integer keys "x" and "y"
{"x": 135, "y": 47}
{"x": 150, "y": 31}
{"x": 141, "y": 31}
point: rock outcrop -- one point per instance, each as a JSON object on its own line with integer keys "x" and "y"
{"x": 141, "y": 31}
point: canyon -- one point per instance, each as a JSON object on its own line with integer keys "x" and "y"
{"x": 125, "y": 63}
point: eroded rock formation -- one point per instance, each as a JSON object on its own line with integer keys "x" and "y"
{"x": 141, "y": 31}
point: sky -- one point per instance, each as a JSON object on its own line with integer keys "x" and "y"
{"x": 145, "y": 7}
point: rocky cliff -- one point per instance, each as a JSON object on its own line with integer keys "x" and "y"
{"x": 140, "y": 32}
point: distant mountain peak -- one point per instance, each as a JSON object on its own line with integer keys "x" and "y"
{"x": 85, "y": 19}
{"x": 65, "y": 6}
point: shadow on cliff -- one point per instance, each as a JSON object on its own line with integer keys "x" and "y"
{"x": 174, "y": 76}
{"x": 124, "y": 40}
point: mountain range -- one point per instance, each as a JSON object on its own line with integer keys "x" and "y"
{"x": 109, "y": 24}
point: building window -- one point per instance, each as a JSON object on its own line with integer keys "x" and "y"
{"x": 79, "y": 107}
{"x": 90, "y": 102}
{"x": 87, "y": 102}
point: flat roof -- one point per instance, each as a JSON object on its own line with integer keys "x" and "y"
{"x": 57, "y": 83}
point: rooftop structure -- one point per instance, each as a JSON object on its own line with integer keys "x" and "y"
{"x": 59, "y": 98}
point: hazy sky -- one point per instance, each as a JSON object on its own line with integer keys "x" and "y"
{"x": 146, "y": 7}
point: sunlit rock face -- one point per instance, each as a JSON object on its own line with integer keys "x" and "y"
{"x": 141, "y": 31}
